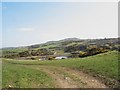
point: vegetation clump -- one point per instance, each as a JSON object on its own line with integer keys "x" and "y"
{"x": 73, "y": 48}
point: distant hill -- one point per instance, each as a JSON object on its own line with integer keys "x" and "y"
{"x": 63, "y": 46}
{"x": 70, "y": 39}
{"x": 83, "y": 41}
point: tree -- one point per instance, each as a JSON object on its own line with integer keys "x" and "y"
{"x": 24, "y": 54}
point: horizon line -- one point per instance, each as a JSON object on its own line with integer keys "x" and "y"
{"x": 56, "y": 40}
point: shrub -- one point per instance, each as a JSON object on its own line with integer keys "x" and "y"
{"x": 24, "y": 54}
{"x": 82, "y": 54}
{"x": 51, "y": 58}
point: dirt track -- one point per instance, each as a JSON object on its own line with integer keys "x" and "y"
{"x": 69, "y": 78}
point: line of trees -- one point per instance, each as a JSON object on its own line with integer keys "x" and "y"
{"x": 84, "y": 51}
{"x": 39, "y": 52}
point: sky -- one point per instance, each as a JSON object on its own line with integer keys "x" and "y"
{"x": 28, "y": 23}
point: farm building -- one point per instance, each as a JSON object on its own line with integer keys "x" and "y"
{"x": 61, "y": 57}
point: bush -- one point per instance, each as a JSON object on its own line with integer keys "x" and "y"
{"x": 24, "y": 54}
{"x": 51, "y": 58}
{"x": 82, "y": 54}
{"x": 11, "y": 56}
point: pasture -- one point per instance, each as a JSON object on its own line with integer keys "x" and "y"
{"x": 33, "y": 73}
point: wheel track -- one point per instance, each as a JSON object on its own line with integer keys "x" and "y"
{"x": 71, "y": 79}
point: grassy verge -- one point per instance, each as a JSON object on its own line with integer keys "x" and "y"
{"x": 22, "y": 77}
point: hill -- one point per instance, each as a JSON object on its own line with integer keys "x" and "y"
{"x": 62, "y": 47}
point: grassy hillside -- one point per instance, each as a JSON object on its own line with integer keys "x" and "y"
{"x": 104, "y": 64}
{"x": 24, "y": 77}
{"x": 66, "y": 46}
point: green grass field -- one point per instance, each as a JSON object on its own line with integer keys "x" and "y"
{"x": 16, "y": 75}
{"x": 23, "y": 77}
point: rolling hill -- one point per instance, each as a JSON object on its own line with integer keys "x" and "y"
{"x": 67, "y": 45}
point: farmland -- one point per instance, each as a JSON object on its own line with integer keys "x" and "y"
{"x": 81, "y": 48}
{"x": 23, "y": 77}
{"x": 102, "y": 69}
{"x": 56, "y": 45}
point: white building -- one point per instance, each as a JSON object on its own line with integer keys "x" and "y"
{"x": 61, "y": 57}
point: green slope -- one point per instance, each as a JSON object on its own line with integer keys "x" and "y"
{"x": 105, "y": 65}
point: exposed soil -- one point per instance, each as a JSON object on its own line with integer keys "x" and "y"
{"x": 69, "y": 78}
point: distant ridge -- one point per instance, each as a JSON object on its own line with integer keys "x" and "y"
{"x": 99, "y": 41}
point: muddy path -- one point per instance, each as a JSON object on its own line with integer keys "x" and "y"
{"x": 69, "y": 78}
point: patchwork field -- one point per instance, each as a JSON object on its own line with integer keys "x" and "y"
{"x": 99, "y": 71}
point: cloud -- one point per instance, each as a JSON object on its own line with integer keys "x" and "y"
{"x": 26, "y": 29}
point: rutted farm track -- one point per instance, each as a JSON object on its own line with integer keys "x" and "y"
{"x": 69, "y": 78}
